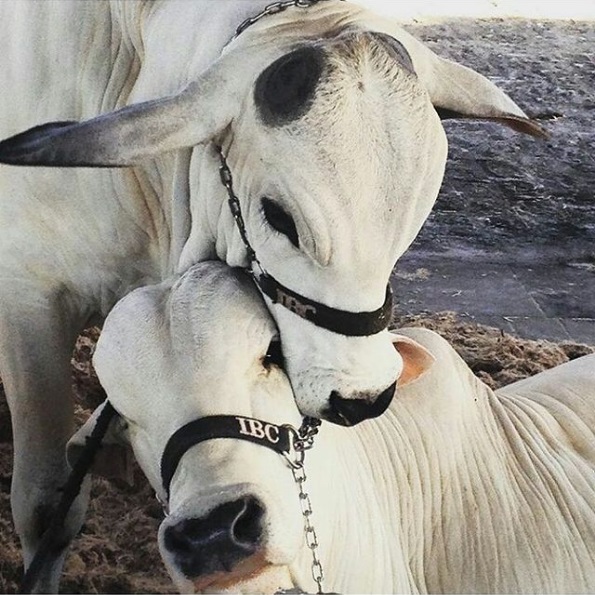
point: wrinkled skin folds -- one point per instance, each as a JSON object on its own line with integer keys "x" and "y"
{"x": 453, "y": 477}
{"x": 125, "y": 101}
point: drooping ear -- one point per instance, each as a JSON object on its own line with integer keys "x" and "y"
{"x": 455, "y": 91}
{"x": 114, "y": 460}
{"x": 417, "y": 360}
{"x": 143, "y": 130}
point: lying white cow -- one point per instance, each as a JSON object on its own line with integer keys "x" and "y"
{"x": 456, "y": 488}
{"x": 326, "y": 115}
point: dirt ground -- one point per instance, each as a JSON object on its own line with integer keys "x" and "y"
{"x": 116, "y": 551}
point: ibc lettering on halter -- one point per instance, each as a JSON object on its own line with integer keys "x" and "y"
{"x": 259, "y": 430}
{"x": 342, "y": 322}
{"x": 276, "y": 438}
{"x": 294, "y": 305}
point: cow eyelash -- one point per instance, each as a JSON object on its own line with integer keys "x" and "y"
{"x": 274, "y": 355}
{"x": 280, "y": 220}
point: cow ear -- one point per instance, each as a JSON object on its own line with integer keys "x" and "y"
{"x": 129, "y": 135}
{"x": 417, "y": 360}
{"x": 455, "y": 91}
{"x": 459, "y": 92}
{"x": 114, "y": 460}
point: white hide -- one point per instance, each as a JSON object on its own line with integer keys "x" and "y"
{"x": 456, "y": 488}
{"x": 357, "y": 205}
{"x": 74, "y": 241}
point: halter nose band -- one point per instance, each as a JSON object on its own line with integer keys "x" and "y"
{"x": 274, "y": 437}
{"x": 350, "y": 324}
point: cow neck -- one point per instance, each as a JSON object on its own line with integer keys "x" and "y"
{"x": 342, "y": 322}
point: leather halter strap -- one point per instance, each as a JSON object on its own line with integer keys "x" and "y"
{"x": 342, "y": 322}
{"x": 277, "y": 438}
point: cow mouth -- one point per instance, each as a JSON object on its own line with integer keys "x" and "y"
{"x": 252, "y": 575}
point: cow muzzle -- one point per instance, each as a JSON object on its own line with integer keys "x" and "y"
{"x": 228, "y": 545}
{"x": 221, "y": 542}
{"x": 349, "y": 412}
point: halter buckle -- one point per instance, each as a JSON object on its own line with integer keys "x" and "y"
{"x": 294, "y": 456}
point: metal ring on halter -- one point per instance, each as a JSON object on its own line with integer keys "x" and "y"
{"x": 293, "y": 456}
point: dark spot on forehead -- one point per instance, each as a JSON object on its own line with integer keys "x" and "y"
{"x": 284, "y": 90}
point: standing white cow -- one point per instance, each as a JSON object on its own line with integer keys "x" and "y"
{"x": 327, "y": 118}
{"x": 455, "y": 489}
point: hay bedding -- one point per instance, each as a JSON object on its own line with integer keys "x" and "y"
{"x": 495, "y": 356}
{"x": 117, "y": 552}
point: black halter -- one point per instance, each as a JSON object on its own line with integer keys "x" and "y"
{"x": 280, "y": 439}
{"x": 351, "y": 324}
{"x": 342, "y": 322}
{"x": 52, "y": 538}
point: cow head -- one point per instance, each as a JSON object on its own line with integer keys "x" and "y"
{"x": 337, "y": 154}
{"x": 205, "y": 346}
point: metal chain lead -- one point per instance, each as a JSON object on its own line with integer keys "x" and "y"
{"x": 234, "y": 206}
{"x": 275, "y": 8}
{"x": 302, "y": 441}
{"x": 299, "y": 474}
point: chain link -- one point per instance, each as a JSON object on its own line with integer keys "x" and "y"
{"x": 236, "y": 211}
{"x": 299, "y": 474}
{"x": 302, "y": 440}
{"x": 275, "y": 8}
{"x": 306, "y": 433}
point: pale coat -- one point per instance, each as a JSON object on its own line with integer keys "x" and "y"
{"x": 74, "y": 241}
{"x": 456, "y": 488}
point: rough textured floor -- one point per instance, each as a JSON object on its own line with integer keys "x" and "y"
{"x": 511, "y": 240}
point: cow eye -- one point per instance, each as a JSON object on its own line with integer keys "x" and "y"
{"x": 280, "y": 220}
{"x": 274, "y": 355}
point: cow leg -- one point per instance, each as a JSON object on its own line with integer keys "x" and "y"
{"x": 37, "y": 335}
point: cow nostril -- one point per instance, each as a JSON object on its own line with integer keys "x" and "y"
{"x": 175, "y": 539}
{"x": 216, "y": 542}
{"x": 348, "y": 412}
{"x": 247, "y": 528}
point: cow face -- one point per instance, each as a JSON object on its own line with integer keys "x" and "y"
{"x": 205, "y": 346}
{"x": 337, "y": 155}
{"x": 338, "y": 158}
{"x": 171, "y": 355}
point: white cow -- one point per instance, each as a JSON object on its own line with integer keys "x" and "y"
{"x": 327, "y": 117}
{"x": 456, "y": 488}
